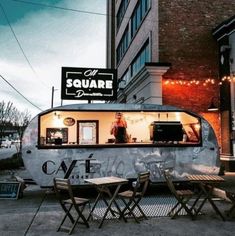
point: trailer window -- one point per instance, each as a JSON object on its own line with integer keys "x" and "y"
{"x": 118, "y": 128}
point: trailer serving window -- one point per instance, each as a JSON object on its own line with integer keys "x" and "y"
{"x": 59, "y": 129}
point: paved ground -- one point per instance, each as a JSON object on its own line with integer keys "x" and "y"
{"x": 38, "y": 213}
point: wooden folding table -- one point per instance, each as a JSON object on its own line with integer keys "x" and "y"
{"x": 206, "y": 184}
{"x": 103, "y": 185}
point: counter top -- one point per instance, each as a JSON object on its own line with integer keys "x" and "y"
{"x": 120, "y": 145}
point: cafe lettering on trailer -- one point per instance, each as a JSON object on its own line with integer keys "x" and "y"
{"x": 88, "y": 84}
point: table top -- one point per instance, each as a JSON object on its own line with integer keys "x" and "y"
{"x": 110, "y": 180}
{"x": 205, "y": 178}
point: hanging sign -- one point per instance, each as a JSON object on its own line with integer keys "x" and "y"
{"x": 69, "y": 121}
{"x": 88, "y": 84}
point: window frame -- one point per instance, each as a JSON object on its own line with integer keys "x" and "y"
{"x": 118, "y": 145}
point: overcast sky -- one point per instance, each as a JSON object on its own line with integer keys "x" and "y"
{"x": 49, "y": 38}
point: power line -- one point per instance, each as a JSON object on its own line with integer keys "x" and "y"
{"x": 94, "y": 13}
{"x": 20, "y": 93}
{"x": 18, "y": 42}
{"x": 74, "y": 10}
{"x": 61, "y": 8}
{"x": 16, "y": 38}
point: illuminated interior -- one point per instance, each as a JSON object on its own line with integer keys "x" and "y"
{"x": 93, "y": 128}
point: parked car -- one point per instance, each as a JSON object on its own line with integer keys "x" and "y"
{"x": 6, "y": 143}
{"x": 16, "y": 141}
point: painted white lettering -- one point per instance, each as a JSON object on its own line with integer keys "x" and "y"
{"x": 101, "y": 84}
{"x": 79, "y": 93}
{"x": 85, "y": 83}
{"x": 89, "y": 83}
{"x": 93, "y": 84}
{"x": 109, "y": 84}
{"x": 69, "y": 83}
{"x": 77, "y": 83}
{"x": 90, "y": 73}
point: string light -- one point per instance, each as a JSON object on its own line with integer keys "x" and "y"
{"x": 205, "y": 82}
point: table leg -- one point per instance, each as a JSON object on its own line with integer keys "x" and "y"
{"x": 193, "y": 207}
{"x": 208, "y": 196}
{"x": 231, "y": 196}
{"x": 93, "y": 208}
{"x": 114, "y": 201}
{"x": 202, "y": 203}
{"x": 109, "y": 205}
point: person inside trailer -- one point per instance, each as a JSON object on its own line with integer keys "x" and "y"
{"x": 118, "y": 128}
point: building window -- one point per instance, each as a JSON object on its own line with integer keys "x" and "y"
{"x": 123, "y": 45}
{"x": 138, "y": 14}
{"x": 121, "y": 12}
{"x": 141, "y": 58}
{"x": 125, "y": 79}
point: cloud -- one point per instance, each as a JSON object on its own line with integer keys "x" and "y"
{"x": 50, "y": 39}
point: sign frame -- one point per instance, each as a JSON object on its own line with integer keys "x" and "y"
{"x": 80, "y": 83}
{"x": 10, "y": 194}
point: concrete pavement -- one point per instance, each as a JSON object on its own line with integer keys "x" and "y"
{"x": 38, "y": 213}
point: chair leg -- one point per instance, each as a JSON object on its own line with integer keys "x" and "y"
{"x": 230, "y": 210}
{"x": 173, "y": 208}
{"x": 183, "y": 205}
{"x": 130, "y": 210}
{"x": 80, "y": 215}
{"x": 74, "y": 222}
{"x": 140, "y": 210}
{"x": 122, "y": 214}
{"x": 67, "y": 214}
{"x": 177, "y": 212}
{"x": 182, "y": 202}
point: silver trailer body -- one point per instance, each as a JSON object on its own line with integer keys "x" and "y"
{"x": 124, "y": 161}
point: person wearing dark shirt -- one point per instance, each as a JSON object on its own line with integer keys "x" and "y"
{"x": 118, "y": 129}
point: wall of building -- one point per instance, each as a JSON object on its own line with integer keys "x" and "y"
{"x": 180, "y": 33}
{"x": 148, "y": 29}
{"x": 185, "y": 40}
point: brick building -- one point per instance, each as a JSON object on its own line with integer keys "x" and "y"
{"x": 224, "y": 34}
{"x": 165, "y": 53}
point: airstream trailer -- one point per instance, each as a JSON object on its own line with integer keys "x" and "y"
{"x": 75, "y": 141}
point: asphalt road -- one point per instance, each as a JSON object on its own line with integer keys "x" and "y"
{"x": 7, "y": 152}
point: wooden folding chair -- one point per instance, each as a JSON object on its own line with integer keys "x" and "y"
{"x": 231, "y": 196}
{"x": 131, "y": 198}
{"x": 182, "y": 197}
{"x": 62, "y": 187}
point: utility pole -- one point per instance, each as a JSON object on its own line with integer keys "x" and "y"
{"x": 52, "y": 96}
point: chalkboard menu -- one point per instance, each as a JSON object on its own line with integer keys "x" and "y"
{"x": 166, "y": 131}
{"x": 9, "y": 190}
